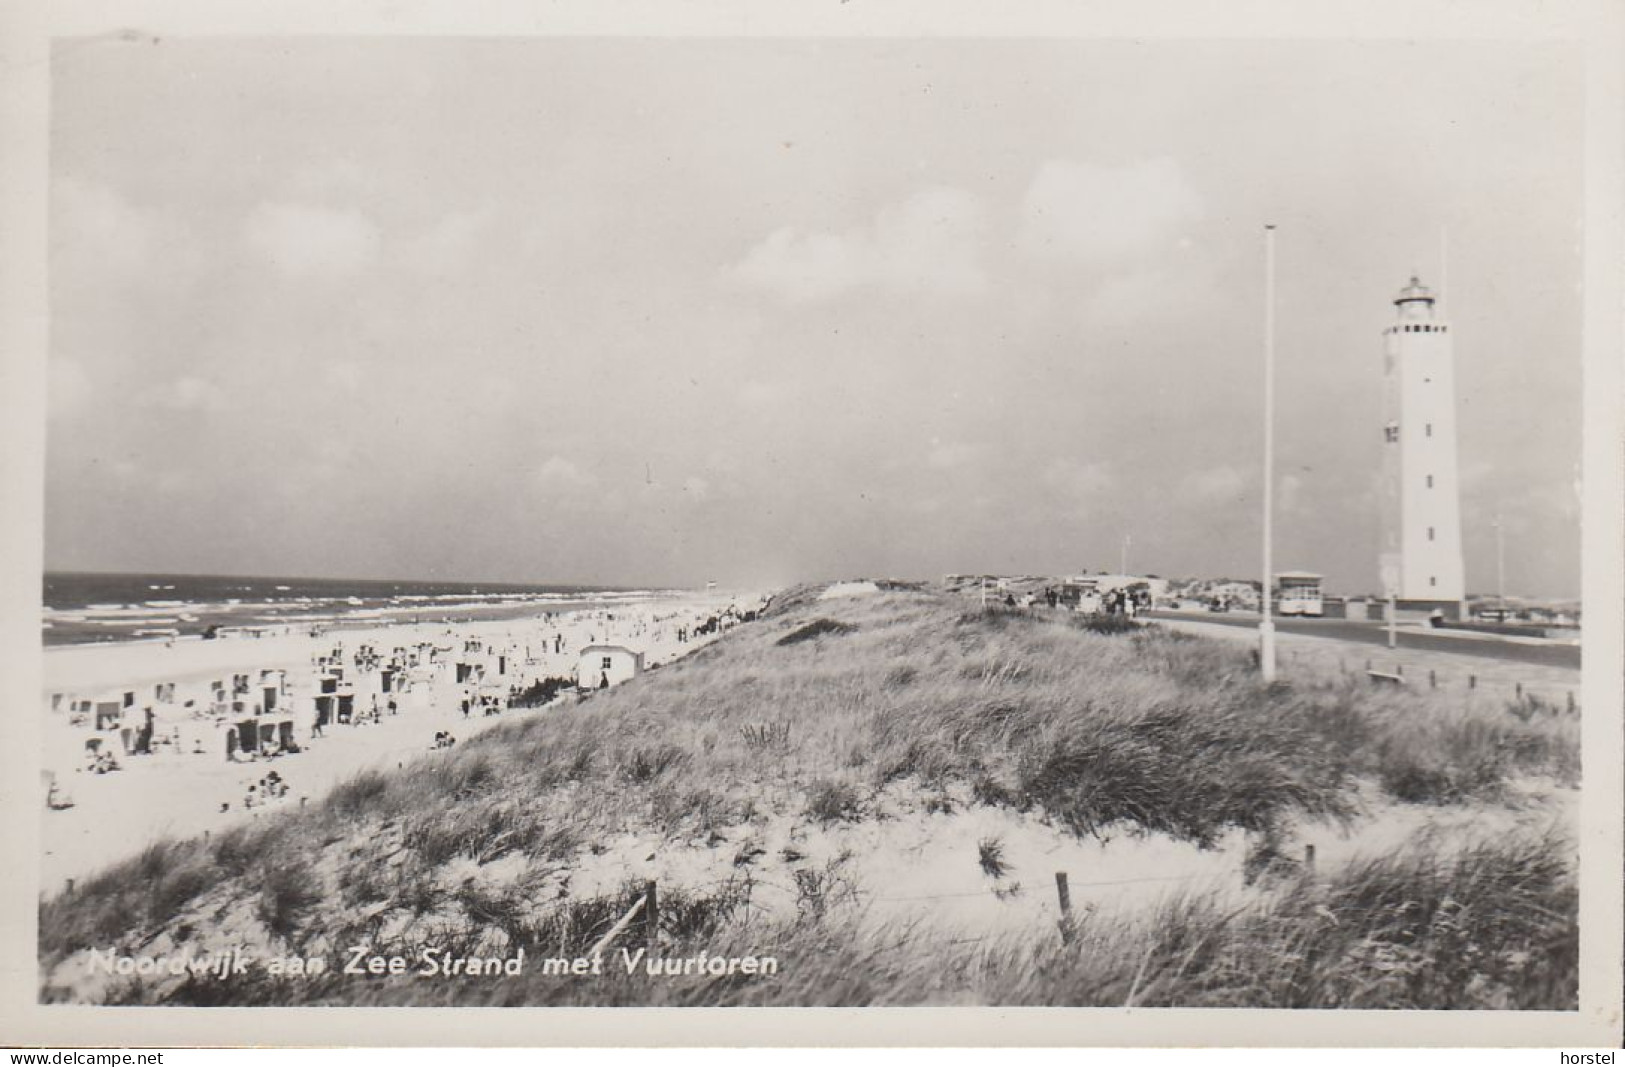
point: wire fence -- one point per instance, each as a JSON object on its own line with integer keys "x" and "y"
{"x": 1495, "y": 682}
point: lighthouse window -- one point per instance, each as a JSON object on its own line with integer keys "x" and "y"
{"x": 1430, "y": 533}
{"x": 1432, "y": 580}
{"x": 1429, "y": 428}
{"x": 1430, "y": 481}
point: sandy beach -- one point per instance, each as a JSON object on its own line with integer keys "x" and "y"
{"x": 191, "y": 787}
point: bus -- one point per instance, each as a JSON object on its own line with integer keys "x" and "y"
{"x": 1081, "y": 594}
{"x": 1298, "y": 593}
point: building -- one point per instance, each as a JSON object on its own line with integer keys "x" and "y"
{"x": 1421, "y": 560}
{"x": 606, "y": 665}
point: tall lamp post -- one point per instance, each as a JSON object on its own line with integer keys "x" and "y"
{"x": 1266, "y": 624}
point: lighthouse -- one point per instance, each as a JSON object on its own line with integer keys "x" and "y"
{"x": 1421, "y": 559}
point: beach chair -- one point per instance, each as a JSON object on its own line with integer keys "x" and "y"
{"x": 108, "y": 713}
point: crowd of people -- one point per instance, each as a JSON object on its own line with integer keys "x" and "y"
{"x": 268, "y": 790}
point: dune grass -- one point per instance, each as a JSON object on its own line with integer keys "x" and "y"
{"x": 1491, "y": 928}
{"x": 817, "y": 707}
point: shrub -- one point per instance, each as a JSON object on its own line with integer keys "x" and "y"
{"x": 830, "y": 800}
{"x": 287, "y": 889}
{"x": 359, "y": 794}
{"x": 644, "y": 764}
{"x": 990, "y": 857}
{"x": 540, "y": 692}
{"x": 1108, "y": 625}
{"x": 816, "y": 628}
{"x": 766, "y": 735}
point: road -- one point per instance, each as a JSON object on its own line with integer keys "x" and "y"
{"x": 1376, "y": 633}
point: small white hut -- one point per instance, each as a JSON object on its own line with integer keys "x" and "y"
{"x": 605, "y": 665}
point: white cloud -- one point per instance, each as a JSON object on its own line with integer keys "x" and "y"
{"x": 930, "y": 243}
{"x": 186, "y": 393}
{"x": 1213, "y": 484}
{"x": 1104, "y": 215}
{"x": 329, "y": 177}
{"x": 950, "y": 455}
{"x": 758, "y": 393}
{"x": 307, "y": 241}
{"x": 1289, "y": 495}
{"x": 558, "y": 474}
{"x": 449, "y": 244}
{"x": 344, "y": 374}
{"x": 1081, "y": 482}
{"x": 95, "y": 222}
{"x": 68, "y": 387}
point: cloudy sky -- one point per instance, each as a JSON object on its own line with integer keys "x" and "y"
{"x": 660, "y": 311}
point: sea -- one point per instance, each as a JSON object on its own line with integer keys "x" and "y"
{"x": 86, "y": 608}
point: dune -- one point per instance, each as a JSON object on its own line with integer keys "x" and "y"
{"x": 879, "y": 793}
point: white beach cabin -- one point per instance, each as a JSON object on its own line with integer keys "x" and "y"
{"x": 611, "y": 664}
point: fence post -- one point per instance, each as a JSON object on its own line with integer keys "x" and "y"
{"x": 1064, "y": 895}
{"x": 69, "y": 889}
{"x": 651, "y": 916}
{"x": 1520, "y": 690}
{"x": 1400, "y": 670}
{"x": 1309, "y": 859}
{"x": 1472, "y": 681}
{"x": 1571, "y": 700}
{"x": 1433, "y": 681}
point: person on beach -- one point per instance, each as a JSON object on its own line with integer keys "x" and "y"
{"x": 143, "y": 739}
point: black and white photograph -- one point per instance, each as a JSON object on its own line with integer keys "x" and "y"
{"x": 766, "y": 519}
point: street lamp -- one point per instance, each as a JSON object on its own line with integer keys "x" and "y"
{"x": 1266, "y": 625}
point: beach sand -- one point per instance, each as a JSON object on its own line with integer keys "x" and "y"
{"x": 177, "y": 793}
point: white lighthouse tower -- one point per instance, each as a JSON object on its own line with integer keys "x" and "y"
{"x": 1421, "y": 560}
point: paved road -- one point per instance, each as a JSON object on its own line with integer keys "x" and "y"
{"x": 1375, "y": 633}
